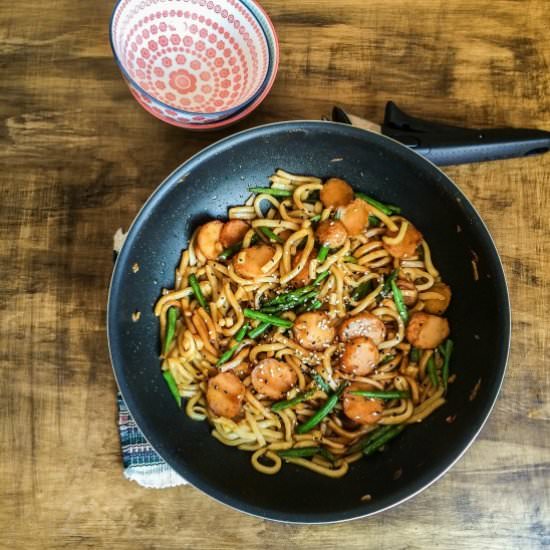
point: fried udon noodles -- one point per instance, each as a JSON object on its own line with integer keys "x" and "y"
{"x": 308, "y": 327}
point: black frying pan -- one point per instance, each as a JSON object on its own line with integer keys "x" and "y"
{"x": 202, "y": 188}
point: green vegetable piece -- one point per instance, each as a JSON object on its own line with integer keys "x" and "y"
{"x": 281, "y": 405}
{"x": 170, "y": 328}
{"x": 399, "y": 302}
{"x": 415, "y": 355}
{"x": 322, "y": 412}
{"x": 272, "y": 319}
{"x": 362, "y": 291}
{"x": 323, "y": 253}
{"x": 319, "y": 279}
{"x": 374, "y": 221}
{"x": 173, "y": 386}
{"x": 228, "y": 354}
{"x": 383, "y": 439}
{"x": 315, "y": 219}
{"x": 230, "y": 251}
{"x": 327, "y": 454}
{"x": 260, "y": 329}
{"x": 241, "y": 333}
{"x": 198, "y": 292}
{"x": 321, "y": 382}
{"x": 312, "y": 305}
{"x": 350, "y": 259}
{"x": 387, "y": 288}
{"x": 382, "y": 394}
{"x": 432, "y": 373}
{"x": 270, "y": 235}
{"x": 370, "y": 438}
{"x": 271, "y": 191}
{"x": 446, "y": 350}
{"x": 386, "y": 360}
{"x": 298, "y": 453}
{"x": 387, "y": 209}
{"x": 293, "y": 295}
{"x": 290, "y": 303}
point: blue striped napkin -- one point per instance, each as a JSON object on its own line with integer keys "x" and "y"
{"x": 141, "y": 462}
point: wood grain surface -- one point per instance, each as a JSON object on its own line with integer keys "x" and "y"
{"x": 78, "y": 157}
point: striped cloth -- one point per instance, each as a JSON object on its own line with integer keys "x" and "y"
{"x": 141, "y": 462}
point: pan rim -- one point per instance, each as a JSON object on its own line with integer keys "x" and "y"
{"x": 347, "y": 515}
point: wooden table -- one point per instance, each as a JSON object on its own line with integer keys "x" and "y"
{"x": 79, "y": 157}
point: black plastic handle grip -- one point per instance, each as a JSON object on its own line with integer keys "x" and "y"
{"x": 445, "y": 145}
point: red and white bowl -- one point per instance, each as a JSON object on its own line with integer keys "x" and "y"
{"x": 195, "y": 63}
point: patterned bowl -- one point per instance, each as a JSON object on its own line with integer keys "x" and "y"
{"x": 194, "y": 62}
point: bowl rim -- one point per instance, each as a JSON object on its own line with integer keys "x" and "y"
{"x": 220, "y": 115}
{"x": 333, "y": 517}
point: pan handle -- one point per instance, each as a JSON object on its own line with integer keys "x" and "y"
{"x": 446, "y": 145}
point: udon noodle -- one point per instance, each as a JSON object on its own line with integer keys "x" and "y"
{"x": 308, "y": 327}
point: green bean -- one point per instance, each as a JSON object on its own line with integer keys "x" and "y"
{"x": 446, "y": 351}
{"x": 350, "y": 259}
{"x": 361, "y": 291}
{"x": 272, "y": 319}
{"x": 290, "y": 303}
{"x": 292, "y": 295}
{"x": 228, "y": 354}
{"x": 238, "y": 338}
{"x": 399, "y": 302}
{"x": 415, "y": 355}
{"x": 311, "y": 305}
{"x": 280, "y": 405}
{"x": 327, "y": 454}
{"x": 321, "y": 382}
{"x": 370, "y": 438}
{"x": 298, "y": 453}
{"x": 374, "y": 221}
{"x": 383, "y": 439}
{"x": 323, "y": 275}
{"x": 290, "y": 300}
{"x": 323, "y": 253}
{"x": 270, "y": 235}
{"x": 271, "y": 191}
{"x": 432, "y": 373}
{"x": 170, "y": 328}
{"x": 387, "y": 288}
{"x": 230, "y": 251}
{"x": 386, "y": 360}
{"x": 198, "y": 292}
{"x": 173, "y": 386}
{"x": 260, "y": 329}
{"x": 387, "y": 209}
{"x": 382, "y": 394}
{"x": 308, "y": 296}
{"x": 322, "y": 412}
{"x": 241, "y": 333}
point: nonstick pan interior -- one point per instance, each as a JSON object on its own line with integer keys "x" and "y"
{"x": 218, "y": 177}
